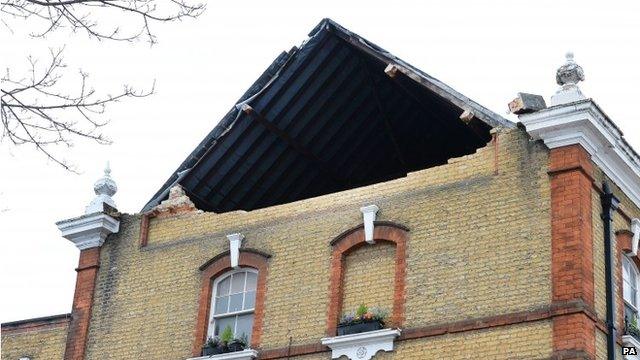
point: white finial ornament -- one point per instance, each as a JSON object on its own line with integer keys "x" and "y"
{"x": 91, "y": 229}
{"x": 568, "y": 76}
{"x": 104, "y": 188}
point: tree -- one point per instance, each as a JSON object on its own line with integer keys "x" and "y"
{"x": 37, "y": 107}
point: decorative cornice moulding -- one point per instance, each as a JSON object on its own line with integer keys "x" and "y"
{"x": 362, "y": 346}
{"x": 584, "y": 123}
{"x": 88, "y": 231}
{"x": 247, "y": 354}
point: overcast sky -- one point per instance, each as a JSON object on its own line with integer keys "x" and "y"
{"x": 488, "y": 53}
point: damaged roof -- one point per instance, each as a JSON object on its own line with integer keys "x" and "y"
{"x": 336, "y": 113}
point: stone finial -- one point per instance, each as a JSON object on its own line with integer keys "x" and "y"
{"x": 100, "y": 219}
{"x": 568, "y": 76}
{"x": 570, "y": 73}
{"x": 104, "y": 188}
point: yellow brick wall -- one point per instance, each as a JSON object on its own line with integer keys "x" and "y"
{"x": 601, "y": 345}
{"x": 37, "y": 344}
{"x": 525, "y": 341}
{"x": 369, "y": 277}
{"x": 479, "y": 245}
{"x": 598, "y": 257}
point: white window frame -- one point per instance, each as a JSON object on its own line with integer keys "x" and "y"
{"x": 212, "y": 315}
{"x": 634, "y": 268}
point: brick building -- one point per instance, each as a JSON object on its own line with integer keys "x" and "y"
{"x": 345, "y": 176}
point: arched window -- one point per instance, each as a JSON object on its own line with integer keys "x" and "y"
{"x": 630, "y": 289}
{"x": 233, "y": 302}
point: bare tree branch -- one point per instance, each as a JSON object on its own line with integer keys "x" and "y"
{"x": 38, "y": 108}
{"x": 82, "y": 15}
{"x": 32, "y": 109}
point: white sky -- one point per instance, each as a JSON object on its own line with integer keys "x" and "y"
{"x": 487, "y": 52}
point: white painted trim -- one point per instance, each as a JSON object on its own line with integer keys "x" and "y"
{"x": 634, "y": 268}
{"x": 235, "y": 241}
{"x": 628, "y": 340}
{"x": 88, "y": 231}
{"x": 369, "y": 217}
{"x": 635, "y": 229}
{"x": 246, "y": 354}
{"x": 584, "y": 123}
{"x": 362, "y": 346}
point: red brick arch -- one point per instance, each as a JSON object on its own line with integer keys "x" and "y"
{"x": 217, "y": 266}
{"x": 353, "y": 239}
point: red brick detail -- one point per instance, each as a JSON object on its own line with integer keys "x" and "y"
{"x": 574, "y": 332}
{"x": 144, "y": 229}
{"x": 217, "y": 267}
{"x": 624, "y": 239}
{"x": 82, "y": 302}
{"x": 144, "y": 226}
{"x": 571, "y": 172}
{"x": 353, "y": 239}
{"x": 36, "y": 324}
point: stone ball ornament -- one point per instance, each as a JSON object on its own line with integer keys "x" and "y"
{"x": 570, "y": 73}
{"x": 105, "y": 185}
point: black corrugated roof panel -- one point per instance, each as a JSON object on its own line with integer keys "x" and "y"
{"x": 324, "y": 118}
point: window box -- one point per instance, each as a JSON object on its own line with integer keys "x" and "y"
{"x": 236, "y": 346}
{"x": 633, "y": 331}
{"x": 207, "y": 351}
{"x": 247, "y": 354}
{"x": 361, "y": 346}
{"x": 360, "y": 327}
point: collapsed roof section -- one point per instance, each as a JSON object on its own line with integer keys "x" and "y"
{"x": 337, "y": 113}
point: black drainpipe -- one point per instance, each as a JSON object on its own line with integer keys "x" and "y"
{"x": 609, "y": 205}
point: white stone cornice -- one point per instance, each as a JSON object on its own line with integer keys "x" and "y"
{"x": 247, "y": 354}
{"x": 362, "y": 346}
{"x": 584, "y": 123}
{"x": 88, "y": 231}
{"x": 635, "y": 229}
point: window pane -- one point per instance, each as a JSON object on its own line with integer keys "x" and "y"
{"x": 252, "y": 280}
{"x": 237, "y": 284}
{"x": 249, "y": 300}
{"x": 629, "y": 314}
{"x": 626, "y": 290}
{"x": 245, "y": 323}
{"x": 222, "y": 323}
{"x": 221, "y": 305}
{"x": 236, "y": 302}
{"x": 223, "y": 287}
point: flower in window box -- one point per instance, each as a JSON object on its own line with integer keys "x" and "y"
{"x": 229, "y": 343}
{"x": 363, "y": 320}
{"x": 238, "y": 344}
{"x": 632, "y": 327}
{"x": 213, "y": 346}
